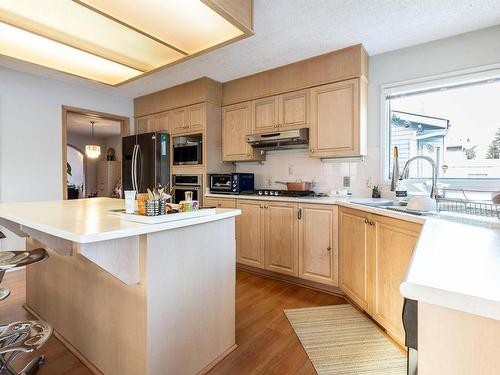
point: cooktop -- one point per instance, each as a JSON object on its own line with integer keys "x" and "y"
{"x": 282, "y": 193}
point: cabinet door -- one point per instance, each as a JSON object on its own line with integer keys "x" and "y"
{"x": 281, "y": 237}
{"x": 161, "y": 122}
{"x": 177, "y": 121}
{"x": 235, "y": 128}
{"x": 335, "y": 120}
{"x": 196, "y": 117}
{"x": 392, "y": 249}
{"x": 143, "y": 124}
{"x": 354, "y": 256}
{"x": 219, "y": 203}
{"x": 294, "y": 110}
{"x": 265, "y": 114}
{"x": 318, "y": 249}
{"x": 250, "y": 235}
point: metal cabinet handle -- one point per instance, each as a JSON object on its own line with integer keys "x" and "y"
{"x": 329, "y": 248}
{"x": 299, "y": 213}
{"x": 367, "y": 221}
{"x": 371, "y": 222}
{"x": 261, "y": 206}
{"x": 266, "y": 206}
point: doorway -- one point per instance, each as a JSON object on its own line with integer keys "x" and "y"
{"x": 91, "y": 148}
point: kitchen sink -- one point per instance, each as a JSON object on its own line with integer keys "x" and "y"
{"x": 391, "y": 205}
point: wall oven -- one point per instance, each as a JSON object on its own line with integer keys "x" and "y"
{"x": 187, "y": 182}
{"x": 187, "y": 149}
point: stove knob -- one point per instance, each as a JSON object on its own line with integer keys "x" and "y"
{"x": 260, "y": 192}
{"x": 266, "y": 192}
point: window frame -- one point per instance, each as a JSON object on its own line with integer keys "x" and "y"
{"x": 472, "y": 75}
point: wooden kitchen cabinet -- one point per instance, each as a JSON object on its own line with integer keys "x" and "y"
{"x": 392, "y": 249}
{"x": 338, "y": 119}
{"x": 108, "y": 176}
{"x": 144, "y": 124}
{"x": 267, "y": 235}
{"x": 219, "y": 202}
{"x": 265, "y": 114}
{"x": 318, "y": 247}
{"x": 281, "y": 245}
{"x": 281, "y": 112}
{"x": 354, "y": 256}
{"x": 374, "y": 254}
{"x": 250, "y": 233}
{"x": 160, "y": 123}
{"x": 187, "y": 119}
{"x": 294, "y": 110}
{"x": 236, "y": 125}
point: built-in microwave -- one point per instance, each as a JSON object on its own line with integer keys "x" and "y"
{"x": 187, "y": 149}
{"x": 232, "y": 183}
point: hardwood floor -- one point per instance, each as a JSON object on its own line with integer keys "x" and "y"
{"x": 266, "y": 341}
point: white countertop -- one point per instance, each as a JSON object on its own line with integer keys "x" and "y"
{"x": 89, "y": 220}
{"x": 455, "y": 264}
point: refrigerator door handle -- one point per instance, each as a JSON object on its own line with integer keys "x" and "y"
{"x": 139, "y": 181}
{"x": 134, "y": 168}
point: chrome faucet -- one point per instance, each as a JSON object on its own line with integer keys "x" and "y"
{"x": 405, "y": 172}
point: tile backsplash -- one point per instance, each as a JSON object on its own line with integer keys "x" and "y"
{"x": 290, "y": 165}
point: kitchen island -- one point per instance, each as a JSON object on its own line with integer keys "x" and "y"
{"x": 131, "y": 298}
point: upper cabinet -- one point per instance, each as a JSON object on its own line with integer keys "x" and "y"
{"x": 338, "y": 119}
{"x": 144, "y": 124}
{"x": 236, "y": 125}
{"x": 187, "y": 119}
{"x": 287, "y": 111}
{"x": 265, "y": 114}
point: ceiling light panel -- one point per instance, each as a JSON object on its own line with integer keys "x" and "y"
{"x": 21, "y": 44}
{"x": 73, "y": 24}
{"x": 189, "y": 25}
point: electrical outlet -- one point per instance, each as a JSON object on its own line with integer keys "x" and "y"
{"x": 347, "y": 181}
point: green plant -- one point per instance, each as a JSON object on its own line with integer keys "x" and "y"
{"x": 68, "y": 169}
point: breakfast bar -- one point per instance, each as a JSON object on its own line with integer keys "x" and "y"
{"x": 137, "y": 298}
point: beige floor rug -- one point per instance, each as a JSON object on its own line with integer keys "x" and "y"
{"x": 341, "y": 341}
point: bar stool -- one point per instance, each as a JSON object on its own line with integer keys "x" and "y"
{"x": 24, "y": 336}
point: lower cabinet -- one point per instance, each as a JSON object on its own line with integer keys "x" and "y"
{"x": 293, "y": 239}
{"x": 374, "y": 254}
{"x": 250, "y": 234}
{"x": 318, "y": 243}
{"x": 281, "y": 244}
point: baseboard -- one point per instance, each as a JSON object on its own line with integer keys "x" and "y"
{"x": 217, "y": 360}
{"x": 292, "y": 280}
{"x": 68, "y": 345}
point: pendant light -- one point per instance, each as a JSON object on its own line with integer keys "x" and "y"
{"x": 92, "y": 151}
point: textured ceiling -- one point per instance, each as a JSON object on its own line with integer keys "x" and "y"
{"x": 292, "y": 30}
{"x": 80, "y": 125}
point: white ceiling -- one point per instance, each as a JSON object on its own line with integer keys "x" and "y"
{"x": 292, "y": 30}
{"x": 80, "y": 125}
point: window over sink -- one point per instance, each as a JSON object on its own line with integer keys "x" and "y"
{"x": 455, "y": 120}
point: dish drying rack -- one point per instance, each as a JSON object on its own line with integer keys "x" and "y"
{"x": 464, "y": 205}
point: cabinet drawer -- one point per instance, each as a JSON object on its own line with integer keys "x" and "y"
{"x": 220, "y": 202}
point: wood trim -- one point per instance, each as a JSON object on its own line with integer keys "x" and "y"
{"x": 237, "y": 12}
{"x": 67, "y": 344}
{"x": 339, "y": 65}
{"x": 125, "y": 130}
{"x": 217, "y": 360}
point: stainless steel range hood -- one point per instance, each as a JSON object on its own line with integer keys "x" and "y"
{"x": 280, "y": 140}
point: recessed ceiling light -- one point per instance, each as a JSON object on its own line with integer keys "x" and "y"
{"x": 36, "y": 49}
{"x": 112, "y": 41}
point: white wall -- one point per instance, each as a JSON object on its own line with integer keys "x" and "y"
{"x": 470, "y": 50}
{"x": 30, "y": 132}
{"x": 30, "y": 136}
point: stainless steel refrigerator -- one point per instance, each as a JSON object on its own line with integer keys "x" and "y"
{"x": 146, "y": 161}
